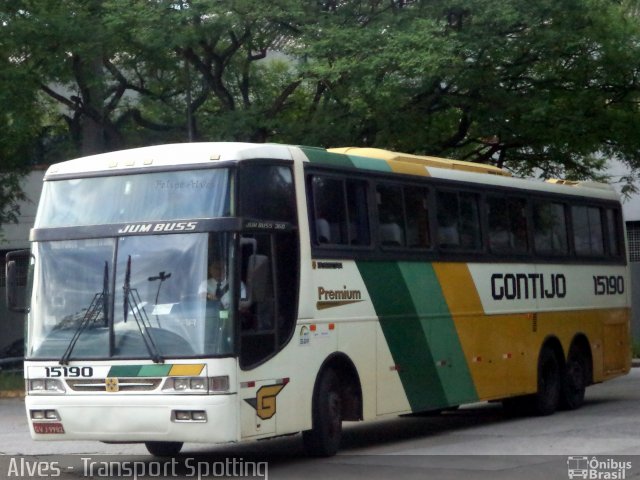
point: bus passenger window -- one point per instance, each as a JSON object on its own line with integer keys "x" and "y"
{"x": 330, "y": 212}
{"x": 458, "y": 221}
{"x": 358, "y": 211}
{"x": 587, "y": 230}
{"x": 417, "y": 211}
{"x": 390, "y": 215}
{"x": 550, "y": 228}
{"x": 507, "y": 224}
{"x": 340, "y": 211}
{"x": 613, "y": 219}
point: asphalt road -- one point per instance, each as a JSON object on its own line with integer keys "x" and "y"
{"x": 476, "y": 441}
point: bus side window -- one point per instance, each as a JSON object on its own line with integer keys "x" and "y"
{"x": 507, "y": 224}
{"x": 391, "y": 215}
{"x": 339, "y": 211}
{"x": 588, "y": 238}
{"x": 613, "y": 220}
{"x": 458, "y": 221}
{"x": 550, "y": 228}
{"x": 269, "y": 267}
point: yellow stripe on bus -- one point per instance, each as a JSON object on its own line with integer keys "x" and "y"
{"x": 500, "y": 364}
{"x": 186, "y": 370}
{"x": 502, "y": 350}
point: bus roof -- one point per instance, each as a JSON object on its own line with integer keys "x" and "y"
{"x": 175, "y": 154}
{"x": 184, "y": 154}
{"x": 426, "y": 161}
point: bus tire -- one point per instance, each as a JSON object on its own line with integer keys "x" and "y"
{"x": 323, "y": 440}
{"x": 574, "y": 380}
{"x": 547, "y": 398}
{"x": 163, "y": 449}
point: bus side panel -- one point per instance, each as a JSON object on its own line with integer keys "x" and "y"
{"x": 420, "y": 334}
{"x": 502, "y": 337}
{"x": 340, "y": 299}
{"x": 287, "y": 381}
{"x": 501, "y": 354}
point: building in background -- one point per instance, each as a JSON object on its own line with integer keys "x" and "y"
{"x": 631, "y": 213}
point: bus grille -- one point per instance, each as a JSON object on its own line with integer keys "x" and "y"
{"x": 124, "y": 384}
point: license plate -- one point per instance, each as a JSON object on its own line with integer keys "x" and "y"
{"x": 42, "y": 427}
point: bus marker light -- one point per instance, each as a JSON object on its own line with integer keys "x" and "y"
{"x": 250, "y": 384}
{"x": 219, "y": 384}
{"x": 312, "y": 328}
{"x": 332, "y": 326}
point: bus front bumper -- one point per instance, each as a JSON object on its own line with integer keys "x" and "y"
{"x": 134, "y": 418}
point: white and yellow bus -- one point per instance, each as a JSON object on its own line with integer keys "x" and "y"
{"x": 223, "y": 292}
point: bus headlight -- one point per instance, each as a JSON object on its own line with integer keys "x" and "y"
{"x": 180, "y": 384}
{"x": 42, "y": 385}
{"x": 196, "y": 384}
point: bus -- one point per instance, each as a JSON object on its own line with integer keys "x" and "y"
{"x": 224, "y": 292}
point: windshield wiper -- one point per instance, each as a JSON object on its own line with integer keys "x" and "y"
{"x": 132, "y": 297}
{"x": 99, "y": 304}
{"x": 162, "y": 276}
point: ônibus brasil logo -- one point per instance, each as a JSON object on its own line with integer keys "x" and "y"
{"x": 597, "y": 469}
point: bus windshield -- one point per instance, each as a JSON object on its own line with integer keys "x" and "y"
{"x": 154, "y": 296}
{"x": 134, "y": 198}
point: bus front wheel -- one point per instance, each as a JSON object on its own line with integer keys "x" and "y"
{"x": 163, "y": 449}
{"x": 323, "y": 440}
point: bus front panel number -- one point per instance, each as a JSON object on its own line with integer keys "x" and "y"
{"x": 69, "y": 372}
{"x": 608, "y": 284}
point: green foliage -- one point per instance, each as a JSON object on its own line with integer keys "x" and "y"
{"x": 11, "y": 381}
{"x": 547, "y": 87}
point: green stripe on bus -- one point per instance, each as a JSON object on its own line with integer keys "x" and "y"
{"x": 420, "y": 333}
{"x": 440, "y": 331}
{"x": 139, "y": 371}
{"x": 124, "y": 371}
{"x": 370, "y": 163}
{"x": 154, "y": 370}
{"x": 319, "y": 155}
{"x": 404, "y": 333}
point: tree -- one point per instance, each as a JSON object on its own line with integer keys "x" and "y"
{"x": 543, "y": 86}
{"x": 549, "y": 86}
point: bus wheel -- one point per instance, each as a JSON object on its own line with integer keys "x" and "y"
{"x": 575, "y": 380}
{"x": 323, "y": 440}
{"x": 546, "y": 400}
{"x": 163, "y": 449}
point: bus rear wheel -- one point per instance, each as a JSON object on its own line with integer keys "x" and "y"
{"x": 323, "y": 440}
{"x": 163, "y": 449}
{"x": 575, "y": 380}
{"x": 546, "y": 400}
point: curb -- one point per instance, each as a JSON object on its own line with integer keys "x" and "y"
{"x": 12, "y": 394}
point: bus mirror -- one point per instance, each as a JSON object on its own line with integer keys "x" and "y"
{"x": 17, "y": 270}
